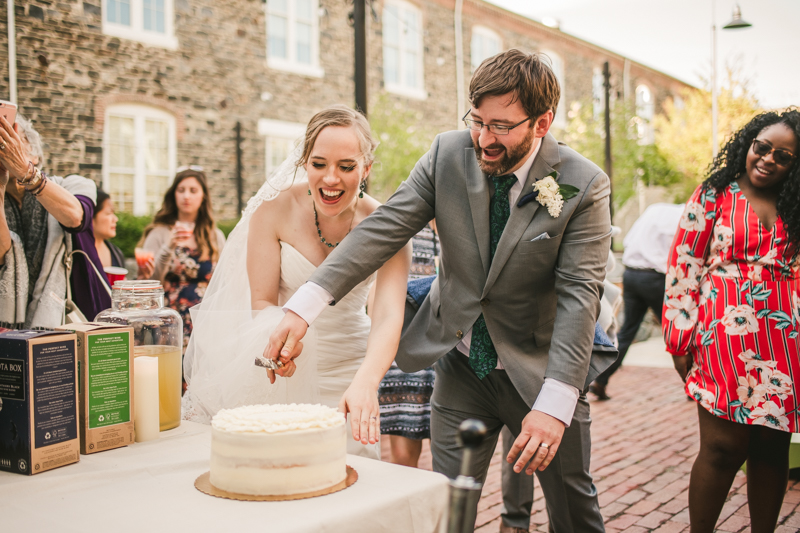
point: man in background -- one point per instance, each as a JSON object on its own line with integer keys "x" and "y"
{"x": 645, "y": 258}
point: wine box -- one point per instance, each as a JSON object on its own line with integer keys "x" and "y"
{"x": 105, "y": 385}
{"x": 38, "y": 401}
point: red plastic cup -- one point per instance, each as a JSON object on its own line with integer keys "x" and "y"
{"x": 115, "y": 274}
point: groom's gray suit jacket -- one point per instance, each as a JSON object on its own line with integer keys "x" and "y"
{"x": 540, "y": 297}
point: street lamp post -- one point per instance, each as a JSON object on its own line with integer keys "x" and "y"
{"x": 735, "y": 23}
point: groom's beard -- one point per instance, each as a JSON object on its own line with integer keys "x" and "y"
{"x": 510, "y": 159}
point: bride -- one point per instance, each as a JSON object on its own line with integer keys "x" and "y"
{"x": 289, "y": 227}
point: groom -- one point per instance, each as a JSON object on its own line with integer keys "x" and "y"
{"x": 510, "y": 320}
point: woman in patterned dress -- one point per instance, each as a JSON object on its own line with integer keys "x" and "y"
{"x": 186, "y": 244}
{"x": 731, "y": 317}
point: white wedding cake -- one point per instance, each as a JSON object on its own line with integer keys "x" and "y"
{"x": 278, "y": 449}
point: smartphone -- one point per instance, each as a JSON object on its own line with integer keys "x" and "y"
{"x": 9, "y": 111}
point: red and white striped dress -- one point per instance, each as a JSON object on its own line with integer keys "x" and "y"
{"x": 732, "y": 303}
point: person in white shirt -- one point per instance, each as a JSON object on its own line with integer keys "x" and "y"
{"x": 645, "y": 258}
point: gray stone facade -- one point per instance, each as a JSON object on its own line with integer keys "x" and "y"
{"x": 69, "y": 72}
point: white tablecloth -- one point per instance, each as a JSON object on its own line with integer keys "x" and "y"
{"x": 149, "y": 487}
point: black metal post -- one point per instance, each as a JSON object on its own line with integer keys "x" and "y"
{"x": 360, "y": 26}
{"x": 239, "y": 181}
{"x": 607, "y": 87}
{"x": 464, "y": 490}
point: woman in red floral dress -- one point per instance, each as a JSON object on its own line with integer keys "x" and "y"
{"x": 731, "y": 318}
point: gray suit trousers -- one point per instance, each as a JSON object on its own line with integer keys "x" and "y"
{"x": 570, "y": 495}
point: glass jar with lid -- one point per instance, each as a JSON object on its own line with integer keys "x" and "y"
{"x": 157, "y": 332}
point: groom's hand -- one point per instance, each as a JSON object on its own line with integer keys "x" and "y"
{"x": 284, "y": 343}
{"x": 537, "y": 429}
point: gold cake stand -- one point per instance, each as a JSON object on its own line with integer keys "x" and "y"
{"x": 203, "y": 484}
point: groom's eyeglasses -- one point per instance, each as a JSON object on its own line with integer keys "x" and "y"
{"x": 781, "y": 157}
{"x": 497, "y": 129}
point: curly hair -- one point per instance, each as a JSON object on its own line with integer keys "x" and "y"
{"x": 730, "y": 165}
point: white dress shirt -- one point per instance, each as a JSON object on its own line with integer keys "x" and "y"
{"x": 648, "y": 242}
{"x": 557, "y": 399}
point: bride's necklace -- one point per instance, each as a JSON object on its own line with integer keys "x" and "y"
{"x": 319, "y": 231}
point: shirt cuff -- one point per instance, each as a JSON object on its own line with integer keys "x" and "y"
{"x": 309, "y": 302}
{"x": 558, "y": 400}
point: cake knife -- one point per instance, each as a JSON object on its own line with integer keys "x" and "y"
{"x": 269, "y": 364}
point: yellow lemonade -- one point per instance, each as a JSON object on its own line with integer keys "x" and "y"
{"x": 169, "y": 382}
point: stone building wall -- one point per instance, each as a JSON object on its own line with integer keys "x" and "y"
{"x": 69, "y": 72}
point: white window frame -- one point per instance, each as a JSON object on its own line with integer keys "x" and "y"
{"x": 418, "y": 92}
{"x": 290, "y": 64}
{"x": 277, "y": 129}
{"x": 136, "y": 31}
{"x": 485, "y": 32}
{"x": 139, "y": 113}
{"x": 557, "y": 64}
{"x": 644, "y": 119}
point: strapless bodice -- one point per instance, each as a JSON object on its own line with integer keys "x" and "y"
{"x": 342, "y": 329}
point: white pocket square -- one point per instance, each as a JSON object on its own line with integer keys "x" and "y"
{"x": 542, "y": 237}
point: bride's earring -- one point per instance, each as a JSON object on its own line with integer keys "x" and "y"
{"x": 309, "y": 192}
{"x": 363, "y": 188}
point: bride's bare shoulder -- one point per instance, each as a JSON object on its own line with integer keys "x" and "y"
{"x": 279, "y": 209}
{"x": 368, "y": 204}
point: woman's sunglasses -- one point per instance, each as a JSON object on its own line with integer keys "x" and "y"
{"x": 781, "y": 157}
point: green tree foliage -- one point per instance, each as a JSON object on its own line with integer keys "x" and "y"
{"x": 632, "y": 159}
{"x": 129, "y": 231}
{"x": 227, "y": 225}
{"x": 403, "y": 140}
{"x": 683, "y": 130}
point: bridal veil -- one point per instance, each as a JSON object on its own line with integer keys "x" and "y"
{"x": 219, "y": 361}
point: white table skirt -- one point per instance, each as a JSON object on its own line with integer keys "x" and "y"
{"x": 150, "y": 487}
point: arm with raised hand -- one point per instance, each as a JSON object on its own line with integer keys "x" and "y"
{"x": 5, "y": 232}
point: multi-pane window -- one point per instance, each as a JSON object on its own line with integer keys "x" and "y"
{"x": 139, "y": 157}
{"x": 154, "y": 15}
{"x": 402, "y": 49}
{"x": 146, "y": 21}
{"x": 281, "y": 139}
{"x": 557, "y": 64}
{"x": 118, "y": 12}
{"x": 484, "y": 44}
{"x": 293, "y": 36}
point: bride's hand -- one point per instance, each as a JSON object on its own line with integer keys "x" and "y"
{"x": 284, "y": 343}
{"x": 362, "y": 404}
{"x": 286, "y": 371}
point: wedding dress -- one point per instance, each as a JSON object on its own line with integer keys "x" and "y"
{"x": 219, "y": 362}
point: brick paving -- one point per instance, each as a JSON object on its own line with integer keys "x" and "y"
{"x": 644, "y": 442}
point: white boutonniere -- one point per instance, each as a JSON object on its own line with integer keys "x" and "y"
{"x": 552, "y": 195}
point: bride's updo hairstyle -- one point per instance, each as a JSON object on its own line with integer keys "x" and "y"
{"x": 340, "y": 115}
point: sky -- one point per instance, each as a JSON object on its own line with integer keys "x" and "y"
{"x": 675, "y": 37}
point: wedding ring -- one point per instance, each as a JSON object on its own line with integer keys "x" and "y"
{"x": 543, "y": 445}
{"x": 373, "y": 418}
{"x": 2, "y": 146}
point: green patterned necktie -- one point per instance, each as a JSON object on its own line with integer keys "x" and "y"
{"x": 482, "y": 355}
